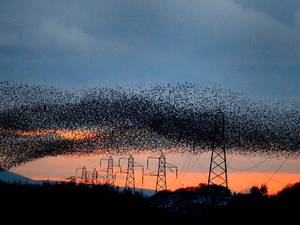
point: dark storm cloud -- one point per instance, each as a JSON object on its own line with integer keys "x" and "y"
{"x": 73, "y": 43}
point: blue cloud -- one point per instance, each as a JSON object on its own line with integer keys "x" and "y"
{"x": 283, "y": 12}
{"x": 142, "y": 42}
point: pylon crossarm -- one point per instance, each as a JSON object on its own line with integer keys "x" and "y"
{"x": 138, "y": 165}
{"x": 124, "y": 171}
{"x": 83, "y": 170}
{"x": 80, "y": 168}
{"x": 102, "y": 171}
{"x": 116, "y": 165}
{"x": 121, "y": 171}
{"x": 101, "y": 176}
{"x": 148, "y": 159}
{"x": 77, "y": 170}
{"x": 154, "y": 173}
{"x": 170, "y": 167}
{"x": 153, "y": 157}
{"x": 122, "y": 158}
{"x": 101, "y": 160}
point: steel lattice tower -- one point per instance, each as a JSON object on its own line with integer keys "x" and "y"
{"x": 94, "y": 176}
{"x": 161, "y": 175}
{"x": 84, "y": 174}
{"x": 218, "y": 167}
{"x": 130, "y": 176}
{"x": 110, "y": 172}
{"x": 130, "y": 181}
{"x": 161, "y": 180}
{"x": 109, "y": 180}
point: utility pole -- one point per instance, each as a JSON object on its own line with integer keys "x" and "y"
{"x": 161, "y": 174}
{"x": 130, "y": 176}
{"x": 218, "y": 167}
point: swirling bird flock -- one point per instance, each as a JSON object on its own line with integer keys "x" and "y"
{"x": 38, "y": 121}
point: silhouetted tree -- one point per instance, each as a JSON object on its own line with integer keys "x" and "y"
{"x": 259, "y": 192}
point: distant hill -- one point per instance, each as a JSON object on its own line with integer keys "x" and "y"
{"x": 10, "y": 177}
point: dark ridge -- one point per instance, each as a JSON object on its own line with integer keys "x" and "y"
{"x": 209, "y": 204}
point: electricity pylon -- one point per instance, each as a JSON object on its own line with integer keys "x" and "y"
{"x": 218, "y": 167}
{"x": 161, "y": 174}
{"x": 84, "y": 174}
{"x": 130, "y": 177}
{"x": 109, "y": 170}
{"x": 94, "y": 176}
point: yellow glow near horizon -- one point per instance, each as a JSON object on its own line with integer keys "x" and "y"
{"x": 78, "y": 134}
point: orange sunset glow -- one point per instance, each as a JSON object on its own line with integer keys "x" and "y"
{"x": 60, "y": 167}
{"x": 175, "y": 112}
{"x": 239, "y": 182}
{"x": 78, "y": 134}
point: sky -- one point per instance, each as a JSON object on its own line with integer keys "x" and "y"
{"x": 251, "y": 46}
{"x": 189, "y": 174}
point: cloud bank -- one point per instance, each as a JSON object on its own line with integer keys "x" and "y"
{"x": 251, "y": 46}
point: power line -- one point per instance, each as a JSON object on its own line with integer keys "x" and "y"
{"x": 248, "y": 168}
{"x": 256, "y": 165}
{"x": 185, "y": 168}
{"x": 276, "y": 171}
